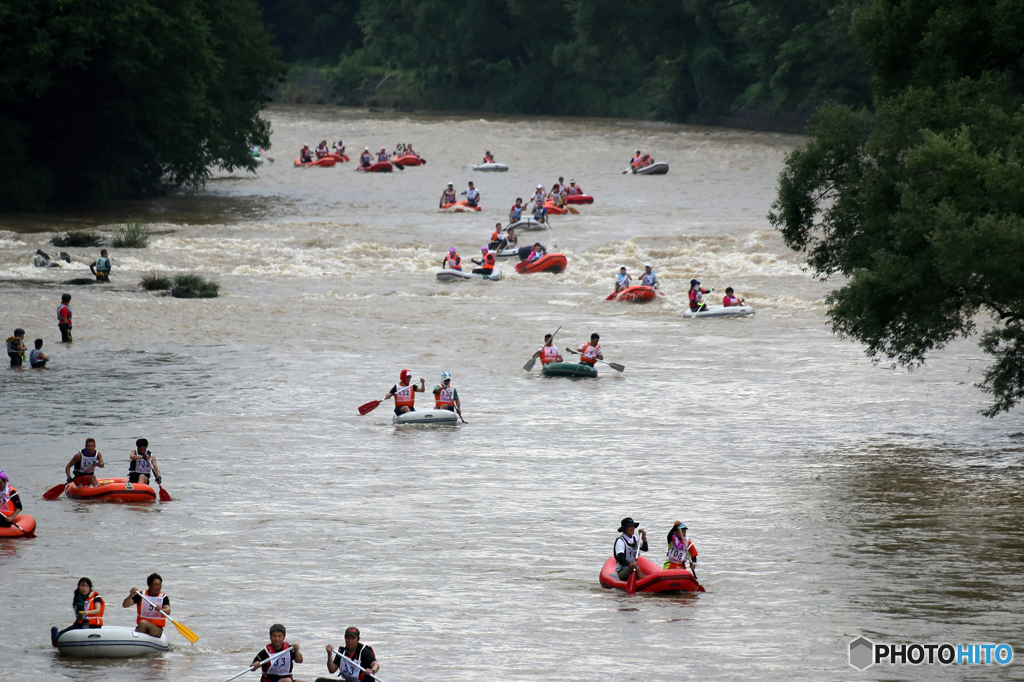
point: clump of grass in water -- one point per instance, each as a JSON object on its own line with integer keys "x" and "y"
{"x": 154, "y": 281}
{"x": 191, "y": 285}
{"x": 76, "y": 238}
{"x": 132, "y": 236}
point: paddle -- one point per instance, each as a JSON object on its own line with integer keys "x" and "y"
{"x": 614, "y": 365}
{"x": 353, "y": 662}
{"x": 368, "y": 407}
{"x": 164, "y": 495}
{"x": 250, "y": 669}
{"x": 631, "y": 581}
{"x": 56, "y": 491}
{"x": 185, "y": 632}
{"x": 572, "y": 210}
{"x": 533, "y": 360}
{"x": 23, "y": 531}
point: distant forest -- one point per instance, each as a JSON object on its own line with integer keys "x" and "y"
{"x": 764, "y": 63}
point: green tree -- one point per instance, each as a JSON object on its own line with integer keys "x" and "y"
{"x": 113, "y": 99}
{"x": 920, "y": 206}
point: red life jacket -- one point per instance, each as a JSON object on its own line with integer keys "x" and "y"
{"x": 488, "y": 261}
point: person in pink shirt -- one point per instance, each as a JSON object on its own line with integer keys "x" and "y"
{"x": 730, "y": 298}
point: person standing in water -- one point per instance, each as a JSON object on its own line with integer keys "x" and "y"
{"x": 64, "y": 318}
{"x": 16, "y": 347}
{"x": 36, "y": 357}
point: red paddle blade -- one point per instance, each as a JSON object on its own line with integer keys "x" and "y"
{"x": 368, "y": 407}
{"x": 631, "y": 584}
{"x": 55, "y": 492}
{"x": 611, "y": 296}
{"x": 165, "y": 496}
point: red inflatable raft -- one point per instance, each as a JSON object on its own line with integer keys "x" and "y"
{"x": 112, "y": 490}
{"x": 579, "y": 199}
{"x": 549, "y": 262}
{"x": 28, "y": 527}
{"x": 379, "y": 167}
{"x": 554, "y": 210}
{"x": 656, "y": 578}
{"x": 325, "y": 162}
{"x": 339, "y": 158}
{"x": 409, "y": 160}
{"x": 634, "y": 294}
{"x": 459, "y": 207}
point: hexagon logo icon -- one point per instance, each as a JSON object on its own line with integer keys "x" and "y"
{"x": 861, "y": 653}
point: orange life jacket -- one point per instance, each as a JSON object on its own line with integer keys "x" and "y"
{"x": 488, "y": 261}
{"x": 589, "y": 354}
{"x": 445, "y": 397}
{"x": 453, "y": 263}
{"x": 147, "y": 611}
{"x": 405, "y": 396}
{"x": 548, "y": 354}
{"x": 90, "y": 604}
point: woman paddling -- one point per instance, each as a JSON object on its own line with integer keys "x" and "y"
{"x": 89, "y": 608}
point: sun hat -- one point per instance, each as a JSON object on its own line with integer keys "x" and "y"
{"x": 626, "y": 523}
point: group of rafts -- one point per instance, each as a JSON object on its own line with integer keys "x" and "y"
{"x": 324, "y": 157}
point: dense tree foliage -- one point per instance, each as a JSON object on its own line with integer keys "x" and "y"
{"x": 115, "y": 98}
{"x": 920, "y": 205}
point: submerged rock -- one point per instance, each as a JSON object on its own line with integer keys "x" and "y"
{"x": 43, "y": 260}
{"x": 80, "y": 281}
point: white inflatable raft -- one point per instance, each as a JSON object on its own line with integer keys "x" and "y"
{"x": 110, "y": 641}
{"x": 441, "y": 417}
{"x": 454, "y": 275}
{"x": 530, "y": 224}
{"x": 721, "y": 311}
{"x": 656, "y": 168}
{"x": 493, "y": 167}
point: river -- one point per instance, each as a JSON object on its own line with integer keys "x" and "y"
{"x": 829, "y": 497}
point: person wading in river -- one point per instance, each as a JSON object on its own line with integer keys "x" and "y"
{"x": 405, "y": 392}
{"x": 152, "y": 611}
{"x": 627, "y": 549}
{"x": 16, "y": 347}
{"x": 64, "y": 318}
{"x": 342, "y": 659}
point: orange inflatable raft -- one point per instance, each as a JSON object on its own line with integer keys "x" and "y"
{"x": 549, "y": 262}
{"x": 634, "y": 294}
{"x": 112, "y": 490}
{"x": 554, "y": 210}
{"x": 409, "y": 160}
{"x": 656, "y": 578}
{"x": 339, "y": 158}
{"x": 28, "y": 527}
{"x": 459, "y": 207}
{"x": 379, "y": 167}
{"x": 325, "y": 162}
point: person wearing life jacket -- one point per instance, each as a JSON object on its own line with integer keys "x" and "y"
{"x": 488, "y": 158}
{"x": 590, "y": 353}
{"x": 472, "y": 195}
{"x": 152, "y": 607}
{"x": 516, "y": 212}
{"x": 538, "y": 196}
{"x": 305, "y": 154}
{"x": 486, "y": 264}
{"x": 410, "y": 152}
{"x": 649, "y": 279}
{"x": 452, "y": 261}
{"x": 447, "y": 196}
{"x": 85, "y": 462}
{"x": 681, "y": 549}
{"x": 540, "y": 213}
{"x": 548, "y": 353}
{"x": 509, "y": 241}
{"x": 622, "y": 279}
{"x": 88, "y": 606}
{"x": 351, "y": 662}
{"x": 101, "y": 267}
{"x": 646, "y": 161}
{"x": 321, "y": 150}
{"x": 277, "y": 668}
{"x": 366, "y": 159}
{"x": 446, "y": 396}
{"x": 405, "y": 392}
{"x": 143, "y": 463}
{"x": 536, "y": 251}
{"x": 697, "y": 302}
{"x": 10, "y": 501}
{"x": 382, "y": 155}
{"x": 64, "y": 318}
{"x": 36, "y": 357}
{"x": 730, "y": 300}
{"x": 555, "y": 196}
{"x": 16, "y": 347}
{"x": 574, "y": 190}
{"x": 627, "y": 548}
{"x": 635, "y": 161}
{"x": 339, "y": 147}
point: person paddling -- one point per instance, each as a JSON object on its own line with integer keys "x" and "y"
{"x": 622, "y": 279}
{"x": 152, "y": 611}
{"x": 321, "y": 150}
{"x": 627, "y": 549}
{"x": 540, "y": 213}
{"x": 382, "y": 155}
{"x": 446, "y": 396}
{"x": 10, "y": 501}
{"x": 143, "y": 463}
{"x": 339, "y": 148}
{"x": 487, "y": 265}
{"x": 496, "y": 237}
{"x": 279, "y": 669}
{"x": 536, "y": 251}
{"x": 305, "y": 154}
{"x": 447, "y": 196}
{"x": 340, "y": 661}
{"x": 405, "y": 392}
{"x": 366, "y": 158}
{"x": 488, "y": 157}
{"x": 548, "y": 353}
{"x": 508, "y": 241}
{"x": 472, "y": 195}
{"x": 101, "y": 267}
{"x": 88, "y": 606}
{"x": 649, "y": 279}
{"x": 515, "y": 214}
{"x": 574, "y": 190}
{"x": 730, "y": 300}
{"x": 590, "y": 353}
{"x": 85, "y": 462}
{"x": 452, "y": 261}
{"x": 696, "y": 295}
{"x": 680, "y": 548}
{"x": 538, "y": 196}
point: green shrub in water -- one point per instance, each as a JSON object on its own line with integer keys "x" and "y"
{"x": 190, "y": 285}
{"x": 132, "y": 236}
{"x": 154, "y": 281}
{"x": 76, "y": 238}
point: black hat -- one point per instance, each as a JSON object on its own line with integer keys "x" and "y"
{"x": 626, "y": 522}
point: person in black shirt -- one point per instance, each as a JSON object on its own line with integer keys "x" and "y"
{"x": 353, "y": 652}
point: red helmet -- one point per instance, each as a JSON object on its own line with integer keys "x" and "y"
{"x": 405, "y": 375}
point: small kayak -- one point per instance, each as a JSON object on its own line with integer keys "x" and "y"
{"x": 492, "y": 167}
{"x": 110, "y": 641}
{"x": 554, "y": 210}
{"x": 409, "y": 160}
{"x": 454, "y": 275}
{"x": 339, "y": 158}
{"x": 569, "y": 369}
{"x": 656, "y": 578}
{"x": 325, "y": 162}
{"x": 431, "y": 417}
{"x": 379, "y": 167}
{"x": 635, "y": 294}
{"x": 549, "y": 262}
{"x": 459, "y": 207}
{"x": 27, "y": 523}
{"x": 579, "y": 199}
{"x": 530, "y": 224}
{"x": 721, "y": 311}
{"x": 657, "y": 168}
{"x": 112, "y": 490}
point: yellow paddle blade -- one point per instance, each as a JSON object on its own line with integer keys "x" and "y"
{"x": 185, "y": 632}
